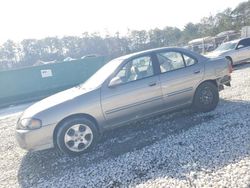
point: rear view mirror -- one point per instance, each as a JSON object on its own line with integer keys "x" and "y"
{"x": 115, "y": 81}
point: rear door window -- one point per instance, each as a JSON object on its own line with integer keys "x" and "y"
{"x": 189, "y": 60}
{"x": 170, "y": 61}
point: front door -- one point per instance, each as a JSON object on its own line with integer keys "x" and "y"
{"x": 138, "y": 94}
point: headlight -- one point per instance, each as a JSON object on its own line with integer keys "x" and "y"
{"x": 29, "y": 123}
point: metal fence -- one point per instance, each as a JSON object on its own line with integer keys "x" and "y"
{"x": 32, "y": 83}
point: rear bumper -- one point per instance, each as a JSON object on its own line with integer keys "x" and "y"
{"x": 38, "y": 139}
{"x": 224, "y": 80}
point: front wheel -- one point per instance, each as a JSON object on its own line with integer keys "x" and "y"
{"x": 206, "y": 97}
{"x": 76, "y": 136}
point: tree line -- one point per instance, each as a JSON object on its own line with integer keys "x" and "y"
{"x": 29, "y": 51}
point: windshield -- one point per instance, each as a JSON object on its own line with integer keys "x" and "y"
{"x": 102, "y": 74}
{"x": 227, "y": 46}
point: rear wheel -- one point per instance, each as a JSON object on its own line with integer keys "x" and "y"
{"x": 206, "y": 97}
{"x": 76, "y": 136}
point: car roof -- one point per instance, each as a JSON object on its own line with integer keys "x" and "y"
{"x": 155, "y": 50}
{"x": 232, "y": 41}
{"x": 245, "y": 38}
{"x": 236, "y": 41}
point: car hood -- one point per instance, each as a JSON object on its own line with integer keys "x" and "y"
{"x": 54, "y": 100}
{"x": 214, "y": 54}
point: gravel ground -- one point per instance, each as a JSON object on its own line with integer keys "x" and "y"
{"x": 180, "y": 149}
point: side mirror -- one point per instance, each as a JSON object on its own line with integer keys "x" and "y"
{"x": 115, "y": 81}
{"x": 240, "y": 46}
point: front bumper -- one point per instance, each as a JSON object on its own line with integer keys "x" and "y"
{"x": 38, "y": 139}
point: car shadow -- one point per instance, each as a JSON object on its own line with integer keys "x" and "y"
{"x": 50, "y": 163}
{"x": 241, "y": 66}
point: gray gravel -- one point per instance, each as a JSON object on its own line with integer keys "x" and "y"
{"x": 180, "y": 149}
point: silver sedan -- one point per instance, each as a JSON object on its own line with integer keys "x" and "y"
{"x": 125, "y": 89}
{"x": 236, "y": 51}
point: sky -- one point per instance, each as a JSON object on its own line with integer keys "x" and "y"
{"x": 23, "y": 19}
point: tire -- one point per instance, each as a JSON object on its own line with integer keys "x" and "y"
{"x": 76, "y": 136}
{"x": 206, "y": 97}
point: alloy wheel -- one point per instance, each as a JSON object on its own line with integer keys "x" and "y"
{"x": 78, "y": 137}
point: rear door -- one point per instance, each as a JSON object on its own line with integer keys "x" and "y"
{"x": 138, "y": 94}
{"x": 180, "y": 74}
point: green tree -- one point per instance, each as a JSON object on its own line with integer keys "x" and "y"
{"x": 241, "y": 14}
{"x": 191, "y": 31}
{"x": 29, "y": 51}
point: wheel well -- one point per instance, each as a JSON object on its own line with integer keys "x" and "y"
{"x": 87, "y": 116}
{"x": 228, "y": 57}
{"x": 211, "y": 81}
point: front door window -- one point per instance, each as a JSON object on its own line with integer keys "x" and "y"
{"x": 136, "y": 69}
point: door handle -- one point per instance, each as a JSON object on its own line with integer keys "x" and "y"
{"x": 197, "y": 72}
{"x": 152, "y": 84}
